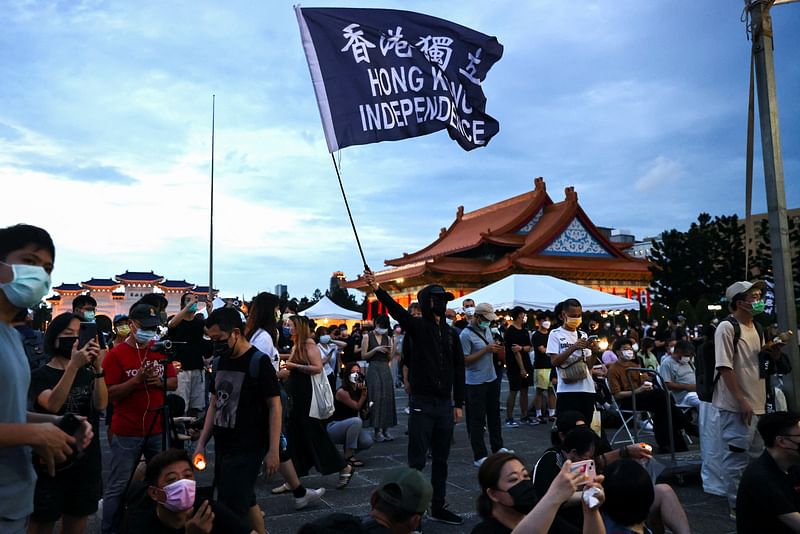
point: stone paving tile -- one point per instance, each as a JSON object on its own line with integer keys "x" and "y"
{"x": 708, "y": 514}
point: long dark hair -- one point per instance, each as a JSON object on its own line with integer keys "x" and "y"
{"x": 489, "y": 476}
{"x": 262, "y": 315}
{"x": 57, "y": 325}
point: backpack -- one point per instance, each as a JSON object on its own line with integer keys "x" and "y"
{"x": 34, "y": 349}
{"x": 705, "y": 369}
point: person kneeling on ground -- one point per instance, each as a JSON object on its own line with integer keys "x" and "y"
{"x": 397, "y": 507}
{"x": 509, "y": 503}
{"x": 171, "y": 504}
{"x": 346, "y": 426}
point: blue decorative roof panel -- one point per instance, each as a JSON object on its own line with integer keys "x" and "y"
{"x": 530, "y": 224}
{"x": 576, "y": 240}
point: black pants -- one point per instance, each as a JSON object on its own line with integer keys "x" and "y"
{"x": 483, "y": 411}
{"x": 655, "y": 402}
{"x": 578, "y": 402}
{"x": 430, "y": 425}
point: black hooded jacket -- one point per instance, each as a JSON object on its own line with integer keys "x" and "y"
{"x": 435, "y": 363}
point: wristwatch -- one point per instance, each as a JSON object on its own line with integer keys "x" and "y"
{"x": 101, "y": 374}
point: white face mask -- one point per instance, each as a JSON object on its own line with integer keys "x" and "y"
{"x": 470, "y": 311}
{"x": 545, "y": 324}
{"x": 635, "y": 347}
{"x": 449, "y": 321}
{"x": 627, "y": 354}
{"x": 29, "y": 285}
{"x": 686, "y": 360}
{"x": 380, "y": 331}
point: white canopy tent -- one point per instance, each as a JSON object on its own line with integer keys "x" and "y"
{"x": 327, "y": 309}
{"x": 542, "y": 292}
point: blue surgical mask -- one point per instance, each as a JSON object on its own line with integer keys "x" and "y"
{"x": 144, "y": 336}
{"x": 324, "y": 339}
{"x": 30, "y": 283}
{"x": 89, "y": 316}
{"x": 193, "y": 307}
{"x": 484, "y": 324}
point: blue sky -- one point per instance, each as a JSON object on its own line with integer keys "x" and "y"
{"x": 106, "y": 114}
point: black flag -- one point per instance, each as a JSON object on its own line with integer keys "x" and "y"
{"x": 385, "y": 75}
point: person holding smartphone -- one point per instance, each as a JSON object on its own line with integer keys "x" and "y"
{"x": 71, "y": 383}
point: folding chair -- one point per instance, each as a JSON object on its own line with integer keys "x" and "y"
{"x": 630, "y": 420}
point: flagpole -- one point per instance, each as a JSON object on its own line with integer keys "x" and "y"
{"x": 349, "y": 213}
{"x": 211, "y": 228}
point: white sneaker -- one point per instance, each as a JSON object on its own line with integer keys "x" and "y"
{"x": 478, "y": 463}
{"x": 407, "y": 410}
{"x": 312, "y": 495}
{"x": 648, "y": 426}
{"x": 503, "y": 449}
{"x": 387, "y": 436}
{"x": 379, "y": 437}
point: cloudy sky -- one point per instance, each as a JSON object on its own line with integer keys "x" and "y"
{"x": 106, "y": 116}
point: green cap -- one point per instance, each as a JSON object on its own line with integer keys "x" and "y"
{"x": 407, "y": 490}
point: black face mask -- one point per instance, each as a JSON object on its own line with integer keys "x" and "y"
{"x": 439, "y": 306}
{"x": 63, "y": 346}
{"x": 222, "y": 349}
{"x": 523, "y": 495}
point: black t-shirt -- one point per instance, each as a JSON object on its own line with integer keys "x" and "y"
{"x": 143, "y": 520}
{"x": 78, "y": 402}
{"x": 241, "y": 421}
{"x": 515, "y": 336}
{"x": 341, "y": 410}
{"x": 569, "y": 518}
{"x": 354, "y": 340}
{"x": 190, "y": 354}
{"x": 765, "y": 492}
{"x": 490, "y": 525}
{"x": 540, "y": 360}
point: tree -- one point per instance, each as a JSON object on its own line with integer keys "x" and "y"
{"x": 343, "y": 298}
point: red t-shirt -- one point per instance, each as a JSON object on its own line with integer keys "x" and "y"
{"x": 134, "y": 414}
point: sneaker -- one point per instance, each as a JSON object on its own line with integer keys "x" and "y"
{"x": 379, "y": 437}
{"x": 312, "y": 495}
{"x": 533, "y": 421}
{"x": 551, "y": 418}
{"x": 443, "y": 515}
{"x": 503, "y": 449}
{"x": 283, "y": 488}
{"x": 479, "y": 462}
{"x": 387, "y": 436}
{"x": 510, "y": 423}
{"x": 732, "y": 513}
{"x": 648, "y": 426}
{"x": 543, "y": 419}
{"x": 407, "y": 410}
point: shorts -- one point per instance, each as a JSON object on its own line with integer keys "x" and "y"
{"x": 236, "y": 474}
{"x": 74, "y": 491}
{"x": 515, "y": 381}
{"x": 542, "y": 379}
{"x": 192, "y": 389}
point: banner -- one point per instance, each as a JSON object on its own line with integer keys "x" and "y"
{"x": 386, "y": 75}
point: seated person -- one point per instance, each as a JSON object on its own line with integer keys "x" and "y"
{"x": 509, "y": 503}
{"x": 678, "y": 373}
{"x": 629, "y": 498}
{"x": 648, "y": 397}
{"x": 397, "y": 507}
{"x": 768, "y": 499}
{"x": 171, "y": 505}
{"x": 666, "y": 508}
{"x": 346, "y": 426}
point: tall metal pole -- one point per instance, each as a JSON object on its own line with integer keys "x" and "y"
{"x": 211, "y": 229}
{"x": 776, "y": 195}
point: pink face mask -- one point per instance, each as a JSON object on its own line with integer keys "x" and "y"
{"x": 179, "y": 495}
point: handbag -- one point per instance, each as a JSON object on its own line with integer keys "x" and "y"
{"x": 321, "y": 397}
{"x": 574, "y": 372}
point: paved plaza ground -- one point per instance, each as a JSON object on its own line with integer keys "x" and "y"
{"x": 708, "y": 514}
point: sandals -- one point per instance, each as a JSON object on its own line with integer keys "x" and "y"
{"x": 345, "y": 478}
{"x": 355, "y": 462}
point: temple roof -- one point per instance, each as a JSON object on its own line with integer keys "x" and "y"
{"x": 202, "y": 290}
{"x": 528, "y": 233}
{"x": 100, "y": 283}
{"x": 68, "y": 287}
{"x": 129, "y": 276}
{"x": 175, "y": 284}
{"x": 54, "y": 298}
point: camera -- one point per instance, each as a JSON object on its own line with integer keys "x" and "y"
{"x": 165, "y": 346}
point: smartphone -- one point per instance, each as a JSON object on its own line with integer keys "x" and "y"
{"x": 591, "y": 338}
{"x": 586, "y": 468}
{"x": 86, "y": 333}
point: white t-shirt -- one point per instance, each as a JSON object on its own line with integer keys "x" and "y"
{"x": 263, "y": 342}
{"x": 558, "y": 340}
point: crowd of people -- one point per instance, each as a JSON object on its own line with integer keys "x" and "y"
{"x": 275, "y": 393}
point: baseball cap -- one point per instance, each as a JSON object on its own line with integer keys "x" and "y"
{"x": 120, "y": 317}
{"x": 145, "y": 315}
{"x": 436, "y": 289}
{"x": 486, "y": 310}
{"x": 407, "y": 490}
{"x": 737, "y": 288}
